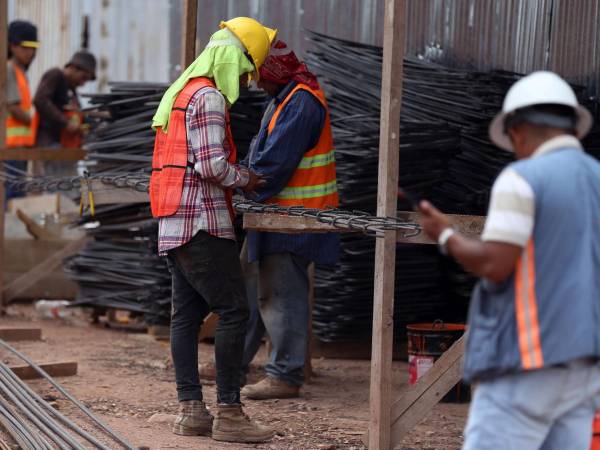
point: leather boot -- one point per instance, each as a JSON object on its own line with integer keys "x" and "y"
{"x": 233, "y": 425}
{"x": 193, "y": 419}
{"x": 270, "y": 387}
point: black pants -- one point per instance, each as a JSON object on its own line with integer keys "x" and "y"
{"x": 207, "y": 276}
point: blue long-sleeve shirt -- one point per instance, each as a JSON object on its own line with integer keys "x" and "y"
{"x": 276, "y": 156}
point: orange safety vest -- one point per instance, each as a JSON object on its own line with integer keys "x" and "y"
{"x": 71, "y": 140}
{"x": 19, "y": 134}
{"x": 313, "y": 184}
{"x": 170, "y": 159}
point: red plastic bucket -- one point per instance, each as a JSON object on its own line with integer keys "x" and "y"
{"x": 596, "y": 433}
{"x": 426, "y": 343}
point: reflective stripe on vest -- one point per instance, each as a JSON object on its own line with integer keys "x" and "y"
{"x": 19, "y": 134}
{"x": 170, "y": 158}
{"x": 313, "y": 184}
{"x": 319, "y": 190}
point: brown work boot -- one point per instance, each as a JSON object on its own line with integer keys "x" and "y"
{"x": 270, "y": 387}
{"x": 193, "y": 419}
{"x": 208, "y": 371}
{"x": 233, "y": 425}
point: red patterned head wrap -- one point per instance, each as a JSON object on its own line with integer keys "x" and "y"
{"x": 282, "y": 65}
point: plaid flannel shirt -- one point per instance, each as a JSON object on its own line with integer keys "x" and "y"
{"x": 203, "y": 205}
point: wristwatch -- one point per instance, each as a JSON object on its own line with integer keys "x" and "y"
{"x": 443, "y": 239}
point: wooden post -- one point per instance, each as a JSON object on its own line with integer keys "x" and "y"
{"x": 3, "y": 47}
{"x": 188, "y": 33}
{"x": 385, "y": 248}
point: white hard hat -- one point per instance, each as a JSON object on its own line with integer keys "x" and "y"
{"x": 539, "y": 88}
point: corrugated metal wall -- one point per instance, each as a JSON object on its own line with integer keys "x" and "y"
{"x": 347, "y": 19}
{"x": 139, "y": 39}
{"x": 130, "y": 38}
{"x": 517, "y": 35}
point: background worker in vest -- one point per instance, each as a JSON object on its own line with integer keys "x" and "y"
{"x": 194, "y": 174}
{"x": 21, "y": 123}
{"x": 294, "y": 152}
{"x": 61, "y": 123}
{"x": 534, "y": 322}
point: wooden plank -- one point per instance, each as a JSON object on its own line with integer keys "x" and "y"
{"x": 57, "y": 369}
{"x": 188, "y": 33}
{"x": 12, "y": 334}
{"x": 42, "y": 154}
{"x": 385, "y": 248}
{"x": 105, "y": 194}
{"x": 25, "y": 281}
{"x": 3, "y": 56}
{"x": 35, "y": 230}
{"x": 278, "y": 223}
{"x": 416, "y": 402}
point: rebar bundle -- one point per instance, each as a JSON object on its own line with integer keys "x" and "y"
{"x": 35, "y": 425}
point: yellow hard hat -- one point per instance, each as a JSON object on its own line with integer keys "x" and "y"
{"x": 256, "y": 38}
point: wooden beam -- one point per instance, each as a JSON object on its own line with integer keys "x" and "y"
{"x": 188, "y": 33}
{"x": 287, "y": 224}
{"x": 469, "y": 225}
{"x": 57, "y": 369}
{"x": 37, "y": 273}
{"x": 34, "y": 229}
{"x": 42, "y": 154}
{"x": 3, "y": 46}
{"x": 418, "y": 400}
{"x": 385, "y": 248}
{"x": 107, "y": 194}
{"x": 11, "y": 334}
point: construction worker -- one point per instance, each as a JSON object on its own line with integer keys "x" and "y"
{"x": 194, "y": 174}
{"x": 21, "y": 121}
{"x": 534, "y": 322}
{"x": 294, "y": 152}
{"x": 56, "y": 101}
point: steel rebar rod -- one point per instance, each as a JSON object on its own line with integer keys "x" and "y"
{"x": 64, "y": 392}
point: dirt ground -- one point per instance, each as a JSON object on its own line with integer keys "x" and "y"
{"x": 125, "y": 378}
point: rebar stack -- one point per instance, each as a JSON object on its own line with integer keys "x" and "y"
{"x": 34, "y": 424}
{"x": 444, "y": 157}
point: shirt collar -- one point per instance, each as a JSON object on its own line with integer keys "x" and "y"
{"x": 285, "y": 91}
{"x": 557, "y": 143}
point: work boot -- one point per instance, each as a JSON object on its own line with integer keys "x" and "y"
{"x": 193, "y": 419}
{"x": 270, "y": 387}
{"x": 233, "y": 425}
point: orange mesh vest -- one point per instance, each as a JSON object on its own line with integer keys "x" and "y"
{"x": 170, "y": 159}
{"x": 19, "y": 134}
{"x": 313, "y": 184}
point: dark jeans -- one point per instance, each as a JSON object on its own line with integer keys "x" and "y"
{"x": 278, "y": 290}
{"x": 207, "y": 277}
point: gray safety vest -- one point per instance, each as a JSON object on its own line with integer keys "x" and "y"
{"x": 548, "y": 312}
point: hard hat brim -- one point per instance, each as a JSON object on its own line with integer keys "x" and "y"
{"x": 501, "y": 139}
{"x": 30, "y": 44}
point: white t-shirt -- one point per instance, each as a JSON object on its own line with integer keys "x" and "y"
{"x": 511, "y": 213}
